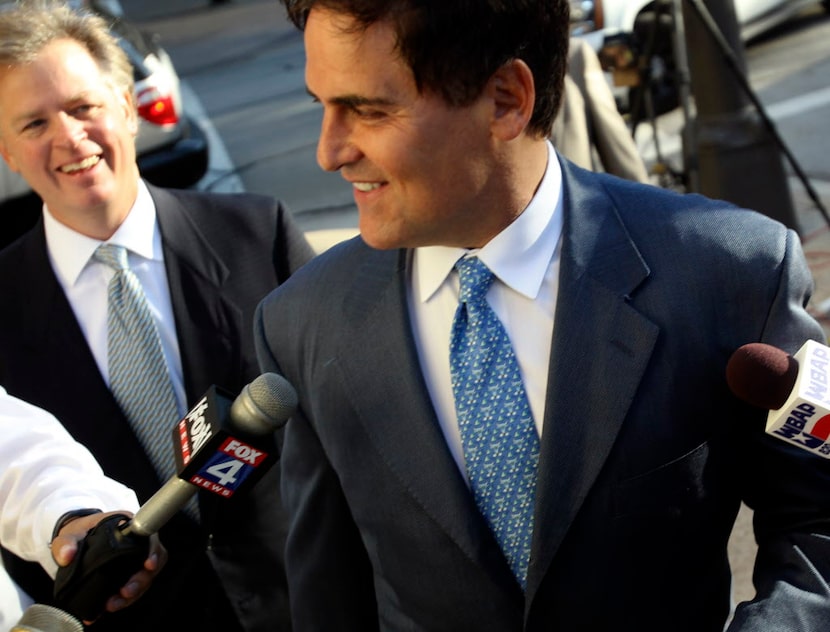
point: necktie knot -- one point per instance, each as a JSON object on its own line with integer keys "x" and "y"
{"x": 111, "y": 255}
{"x": 475, "y": 277}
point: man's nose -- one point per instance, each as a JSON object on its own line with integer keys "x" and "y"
{"x": 71, "y": 132}
{"x": 336, "y": 147}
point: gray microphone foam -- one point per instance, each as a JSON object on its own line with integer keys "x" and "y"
{"x": 39, "y": 618}
{"x": 264, "y": 405}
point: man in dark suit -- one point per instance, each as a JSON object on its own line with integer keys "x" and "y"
{"x": 622, "y": 303}
{"x": 67, "y": 124}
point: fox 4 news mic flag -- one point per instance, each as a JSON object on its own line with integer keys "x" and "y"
{"x": 236, "y": 458}
{"x": 804, "y": 419}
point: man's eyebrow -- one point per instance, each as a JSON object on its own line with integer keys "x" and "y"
{"x": 353, "y": 100}
{"x": 39, "y": 112}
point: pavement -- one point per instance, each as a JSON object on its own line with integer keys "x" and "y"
{"x": 816, "y": 243}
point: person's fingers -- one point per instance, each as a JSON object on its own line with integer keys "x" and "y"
{"x": 138, "y": 583}
{"x": 65, "y": 544}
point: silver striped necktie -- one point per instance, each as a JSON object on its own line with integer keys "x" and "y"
{"x": 139, "y": 378}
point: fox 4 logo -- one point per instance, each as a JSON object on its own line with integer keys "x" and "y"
{"x": 229, "y": 468}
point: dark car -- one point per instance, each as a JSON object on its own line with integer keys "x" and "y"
{"x": 171, "y": 149}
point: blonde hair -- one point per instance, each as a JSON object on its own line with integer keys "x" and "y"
{"x": 30, "y": 25}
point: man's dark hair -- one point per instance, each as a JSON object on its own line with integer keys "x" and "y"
{"x": 454, "y": 46}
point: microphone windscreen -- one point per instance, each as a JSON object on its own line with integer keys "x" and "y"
{"x": 264, "y": 405}
{"x": 274, "y": 396}
{"x": 39, "y": 617}
{"x": 762, "y": 375}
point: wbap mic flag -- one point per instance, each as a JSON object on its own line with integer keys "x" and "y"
{"x": 796, "y": 389}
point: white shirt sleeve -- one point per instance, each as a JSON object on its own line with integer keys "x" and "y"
{"x": 44, "y": 474}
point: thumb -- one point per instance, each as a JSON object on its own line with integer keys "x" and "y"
{"x": 64, "y": 548}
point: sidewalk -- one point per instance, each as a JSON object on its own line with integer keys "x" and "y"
{"x": 815, "y": 239}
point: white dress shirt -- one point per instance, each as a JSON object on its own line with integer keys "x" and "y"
{"x": 44, "y": 474}
{"x": 525, "y": 260}
{"x": 85, "y": 281}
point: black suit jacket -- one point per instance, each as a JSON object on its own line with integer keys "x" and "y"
{"x": 645, "y": 454}
{"x": 222, "y": 253}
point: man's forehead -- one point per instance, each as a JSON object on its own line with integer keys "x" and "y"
{"x": 358, "y": 66}
{"x": 327, "y": 30}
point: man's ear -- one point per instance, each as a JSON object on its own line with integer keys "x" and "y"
{"x": 7, "y": 157}
{"x": 513, "y": 94}
{"x": 130, "y": 110}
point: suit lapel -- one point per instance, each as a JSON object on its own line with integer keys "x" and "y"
{"x": 600, "y": 349}
{"x": 195, "y": 275}
{"x": 375, "y": 314}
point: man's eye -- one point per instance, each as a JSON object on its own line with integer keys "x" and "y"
{"x": 33, "y": 125}
{"x": 370, "y": 114}
{"x": 83, "y": 109}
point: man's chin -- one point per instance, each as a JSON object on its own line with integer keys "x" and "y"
{"x": 380, "y": 239}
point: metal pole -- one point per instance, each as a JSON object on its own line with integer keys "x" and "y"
{"x": 684, "y": 89}
{"x": 737, "y": 157}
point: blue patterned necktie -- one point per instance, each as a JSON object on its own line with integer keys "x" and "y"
{"x": 501, "y": 446}
{"x": 138, "y": 372}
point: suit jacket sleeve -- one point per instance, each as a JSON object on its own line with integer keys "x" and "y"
{"x": 788, "y": 490}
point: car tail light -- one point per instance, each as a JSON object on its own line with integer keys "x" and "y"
{"x": 157, "y": 107}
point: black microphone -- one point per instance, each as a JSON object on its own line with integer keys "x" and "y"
{"x": 40, "y": 618}
{"x": 795, "y": 389}
{"x": 221, "y": 446}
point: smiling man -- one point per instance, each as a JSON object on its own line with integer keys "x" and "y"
{"x": 513, "y": 407}
{"x": 70, "y": 131}
{"x": 197, "y": 265}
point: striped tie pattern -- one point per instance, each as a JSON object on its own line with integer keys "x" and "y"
{"x": 138, "y": 372}
{"x": 501, "y": 446}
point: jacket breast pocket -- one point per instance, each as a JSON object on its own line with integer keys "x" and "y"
{"x": 667, "y": 491}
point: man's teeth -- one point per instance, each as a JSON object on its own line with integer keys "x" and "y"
{"x": 366, "y": 186}
{"x": 86, "y": 163}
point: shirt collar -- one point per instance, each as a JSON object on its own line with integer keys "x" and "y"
{"x": 519, "y": 255}
{"x": 70, "y": 251}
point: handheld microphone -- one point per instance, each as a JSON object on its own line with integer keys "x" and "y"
{"x": 795, "y": 390}
{"x": 40, "y": 618}
{"x": 221, "y": 446}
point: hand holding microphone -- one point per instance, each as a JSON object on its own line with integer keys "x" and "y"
{"x": 795, "y": 389}
{"x": 222, "y": 447}
{"x": 69, "y": 542}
